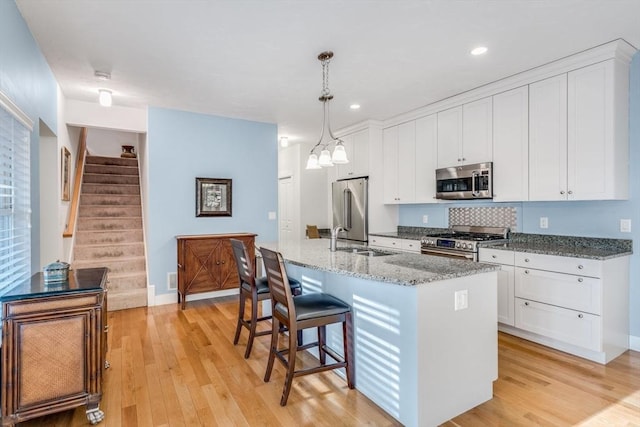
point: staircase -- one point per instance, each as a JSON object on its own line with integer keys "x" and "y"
{"x": 109, "y": 231}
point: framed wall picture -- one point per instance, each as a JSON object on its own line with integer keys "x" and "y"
{"x": 65, "y": 171}
{"x": 213, "y": 197}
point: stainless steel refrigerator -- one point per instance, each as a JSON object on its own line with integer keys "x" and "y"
{"x": 350, "y": 208}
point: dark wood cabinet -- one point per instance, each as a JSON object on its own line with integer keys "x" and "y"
{"x": 206, "y": 263}
{"x": 54, "y": 346}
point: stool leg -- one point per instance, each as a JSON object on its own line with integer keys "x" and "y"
{"x": 241, "y": 295}
{"x": 347, "y": 342}
{"x": 322, "y": 340}
{"x": 253, "y": 324}
{"x": 273, "y": 347}
{"x": 291, "y": 366}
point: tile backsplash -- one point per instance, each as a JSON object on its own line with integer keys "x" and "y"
{"x": 484, "y": 216}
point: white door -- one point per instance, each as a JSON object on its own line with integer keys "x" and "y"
{"x": 477, "y": 131}
{"x": 286, "y": 210}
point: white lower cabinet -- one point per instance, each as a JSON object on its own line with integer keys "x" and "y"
{"x": 506, "y": 280}
{"x": 577, "y": 305}
{"x": 395, "y": 243}
{"x": 571, "y": 327}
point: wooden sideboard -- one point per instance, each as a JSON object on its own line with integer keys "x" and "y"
{"x": 206, "y": 263}
{"x": 54, "y": 346}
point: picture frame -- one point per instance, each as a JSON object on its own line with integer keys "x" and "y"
{"x": 65, "y": 172}
{"x": 213, "y": 197}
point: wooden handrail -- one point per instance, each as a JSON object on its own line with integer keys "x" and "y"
{"x": 75, "y": 200}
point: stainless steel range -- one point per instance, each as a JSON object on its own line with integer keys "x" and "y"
{"x": 462, "y": 241}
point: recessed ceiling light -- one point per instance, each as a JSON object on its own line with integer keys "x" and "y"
{"x": 354, "y": 106}
{"x": 480, "y": 50}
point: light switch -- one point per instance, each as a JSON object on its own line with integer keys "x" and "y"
{"x": 544, "y": 222}
{"x": 625, "y": 226}
{"x": 425, "y": 219}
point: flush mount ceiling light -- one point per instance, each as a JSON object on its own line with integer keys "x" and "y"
{"x": 327, "y": 138}
{"x": 480, "y": 50}
{"x": 104, "y": 97}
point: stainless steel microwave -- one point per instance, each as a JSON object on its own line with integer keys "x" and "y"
{"x": 465, "y": 182}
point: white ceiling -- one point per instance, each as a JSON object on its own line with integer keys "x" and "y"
{"x": 257, "y": 59}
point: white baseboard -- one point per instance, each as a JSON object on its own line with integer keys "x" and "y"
{"x": 172, "y": 298}
{"x": 634, "y": 343}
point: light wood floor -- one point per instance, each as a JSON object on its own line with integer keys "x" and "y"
{"x": 180, "y": 368}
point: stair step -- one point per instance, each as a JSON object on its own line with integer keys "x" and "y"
{"x": 109, "y": 212}
{"x": 92, "y": 237}
{"x": 127, "y": 281}
{"x": 119, "y": 161}
{"x": 115, "y": 266}
{"x": 88, "y": 223}
{"x": 123, "y": 299}
{"x": 102, "y": 252}
{"x": 110, "y": 179}
{"x": 109, "y": 199}
{"x": 91, "y": 188}
{"x": 111, "y": 169}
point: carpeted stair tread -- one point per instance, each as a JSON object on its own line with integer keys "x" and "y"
{"x": 109, "y": 229}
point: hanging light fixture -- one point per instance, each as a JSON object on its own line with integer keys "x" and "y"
{"x": 326, "y": 158}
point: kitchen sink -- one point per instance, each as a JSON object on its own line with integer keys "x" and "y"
{"x": 364, "y": 251}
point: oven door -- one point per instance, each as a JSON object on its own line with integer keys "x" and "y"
{"x": 449, "y": 253}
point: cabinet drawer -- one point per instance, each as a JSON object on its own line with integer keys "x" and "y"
{"x": 569, "y": 326}
{"x": 564, "y": 290}
{"x": 561, "y": 264}
{"x": 410, "y": 245}
{"x": 385, "y": 242}
{"x": 496, "y": 256}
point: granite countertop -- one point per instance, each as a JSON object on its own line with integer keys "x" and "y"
{"x": 569, "y": 246}
{"x": 401, "y": 268}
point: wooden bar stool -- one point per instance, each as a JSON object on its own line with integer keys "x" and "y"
{"x": 315, "y": 310}
{"x": 255, "y": 290}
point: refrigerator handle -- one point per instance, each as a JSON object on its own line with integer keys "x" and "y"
{"x": 346, "y": 220}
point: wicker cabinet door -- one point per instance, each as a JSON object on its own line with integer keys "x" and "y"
{"x": 52, "y": 360}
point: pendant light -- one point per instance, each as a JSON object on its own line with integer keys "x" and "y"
{"x": 326, "y": 158}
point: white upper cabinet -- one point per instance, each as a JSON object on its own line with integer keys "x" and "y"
{"x": 510, "y": 145}
{"x": 465, "y": 134}
{"x": 399, "y": 163}
{"x": 357, "y": 147}
{"x": 579, "y": 144}
{"x": 597, "y": 135}
{"x": 390, "y": 165}
{"x": 426, "y": 159}
{"x": 477, "y": 131}
{"x": 450, "y": 137}
{"x": 548, "y": 139}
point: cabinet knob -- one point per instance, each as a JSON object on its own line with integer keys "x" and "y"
{"x": 561, "y": 191}
{"x": 580, "y": 279}
{"x": 223, "y": 262}
{"x": 526, "y": 303}
{"x": 569, "y": 192}
{"x": 494, "y": 256}
{"x": 459, "y": 159}
{"x": 217, "y": 262}
{"x": 526, "y": 272}
{"x": 580, "y": 316}
{"x": 180, "y": 266}
{"x": 580, "y": 267}
{"x": 526, "y": 260}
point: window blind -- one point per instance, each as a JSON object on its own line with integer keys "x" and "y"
{"x": 15, "y": 204}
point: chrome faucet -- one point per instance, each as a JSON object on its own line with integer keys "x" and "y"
{"x": 334, "y": 237}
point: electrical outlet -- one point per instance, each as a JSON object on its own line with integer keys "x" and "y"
{"x": 544, "y": 222}
{"x": 461, "y": 300}
{"x": 425, "y": 219}
{"x": 625, "y": 225}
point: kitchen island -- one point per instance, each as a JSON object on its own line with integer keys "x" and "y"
{"x": 425, "y": 328}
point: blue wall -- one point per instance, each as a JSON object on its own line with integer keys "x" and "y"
{"x": 25, "y": 77}
{"x": 590, "y": 219}
{"x": 183, "y": 146}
